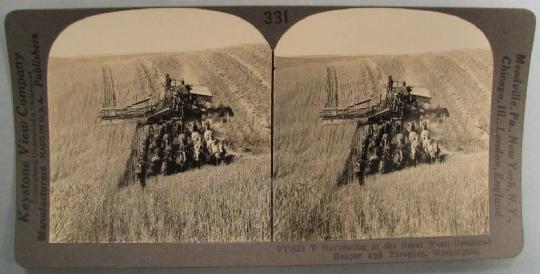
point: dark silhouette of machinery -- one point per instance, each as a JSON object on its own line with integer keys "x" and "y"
{"x": 382, "y": 143}
{"x": 400, "y": 102}
{"x": 180, "y": 101}
{"x": 173, "y": 131}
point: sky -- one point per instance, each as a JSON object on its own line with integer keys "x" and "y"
{"x": 153, "y": 30}
{"x": 376, "y": 31}
{"x": 367, "y": 31}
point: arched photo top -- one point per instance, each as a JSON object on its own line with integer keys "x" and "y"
{"x": 379, "y": 31}
{"x": 154, "y": 30}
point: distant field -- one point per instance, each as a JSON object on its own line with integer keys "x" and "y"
{"x": 430, "y": 200}
{"x": 88, "y": 159}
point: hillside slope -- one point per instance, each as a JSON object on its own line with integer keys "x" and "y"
{"x": 88, "y": 159}
{"x": 310, "y": 157}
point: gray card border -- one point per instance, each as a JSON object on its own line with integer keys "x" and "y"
{"x": 510, "y": 33}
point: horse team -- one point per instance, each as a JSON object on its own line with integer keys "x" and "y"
{"x": 390, "y": 146}
{"x": 170, "y": 148}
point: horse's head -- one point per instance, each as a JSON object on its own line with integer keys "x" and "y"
{"x": 387, "y": 149}
{"x": 415, "y": 146}
{"x": 216, "y": 153}
{"x": 398, "y": 156}
{"x": 197, "y": 151}
{"x": 180, "y": 158}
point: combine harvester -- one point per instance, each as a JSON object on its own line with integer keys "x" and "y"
{"x": 413, "y": 103}
{"x": 181, "y": 101}
{"x": 382, "y": 143}
{"x": 169, "y": 130}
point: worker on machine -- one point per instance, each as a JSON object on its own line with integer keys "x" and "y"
{"x": 390, "y": 83}
{"x": 168, "y": 82}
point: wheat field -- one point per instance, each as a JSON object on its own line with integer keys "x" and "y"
{"x": 88, "y": 159}
{"x": 444, "y": 199}
{"x": 231, "y": 203}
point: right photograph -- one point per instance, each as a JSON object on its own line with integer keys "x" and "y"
{"x": 381, "y": 126}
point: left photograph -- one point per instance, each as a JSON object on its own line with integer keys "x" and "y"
{"x": 159, "y": 128}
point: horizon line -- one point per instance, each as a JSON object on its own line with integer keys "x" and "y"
{"x": 152, "y": 52}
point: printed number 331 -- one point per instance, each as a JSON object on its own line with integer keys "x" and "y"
{"x": 275, "y": 17}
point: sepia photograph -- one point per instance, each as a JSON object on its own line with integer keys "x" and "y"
{"x": 381, "y": 126}
{"x": 159, "y": 126}
{"x": 242, "y": 136}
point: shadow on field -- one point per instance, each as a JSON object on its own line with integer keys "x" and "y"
{"x": 128, "y": 176}
{"x": 347, "y": 173}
